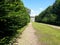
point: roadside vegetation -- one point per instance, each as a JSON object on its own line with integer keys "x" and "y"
{"x": 13, "y": 16}
{"x": 47, "y": 35}
{"x": 51, "y": 15}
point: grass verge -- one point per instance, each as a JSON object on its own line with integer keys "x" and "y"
{"x": 47, "y": 35}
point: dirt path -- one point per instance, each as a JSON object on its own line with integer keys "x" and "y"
{"x": 58, "y": 27}
{"x": 28, "y": 37}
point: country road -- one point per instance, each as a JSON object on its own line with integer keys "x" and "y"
{"x": 28, "y": 37}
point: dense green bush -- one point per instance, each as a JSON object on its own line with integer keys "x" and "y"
{"x": 13, "y": 16}
{"x": 51, "y": 15}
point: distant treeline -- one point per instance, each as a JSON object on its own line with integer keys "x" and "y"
{"x": 51, "y": 15}
{"x": 13, "y": 15}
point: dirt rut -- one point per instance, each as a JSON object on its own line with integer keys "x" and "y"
{"x": 28, "y": 37}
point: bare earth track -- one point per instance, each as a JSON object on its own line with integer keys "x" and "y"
{"x": 58, "y": 27}
{"x": 28, "y": 37}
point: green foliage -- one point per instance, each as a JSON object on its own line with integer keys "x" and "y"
{"x": 13, "y": 16}
{"x": 51, "y": 15}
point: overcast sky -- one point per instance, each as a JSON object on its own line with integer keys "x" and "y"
{"x": 37, "y": 6}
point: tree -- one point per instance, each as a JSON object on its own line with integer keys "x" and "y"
{"x": 13, "y": 15}
{"x": 51, "y": 14}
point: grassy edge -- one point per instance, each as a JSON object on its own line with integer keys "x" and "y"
{"x": 51, "y": 39}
